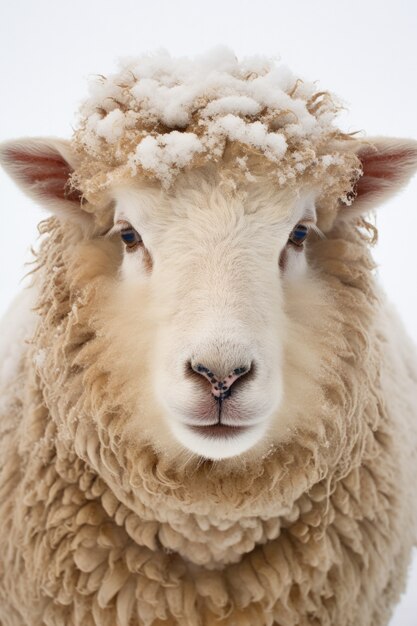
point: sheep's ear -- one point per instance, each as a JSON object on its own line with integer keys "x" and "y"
{"x": 388, "y": 164}
{"x": 41, "y": 168}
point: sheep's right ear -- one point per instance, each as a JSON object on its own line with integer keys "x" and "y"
{"x": 41, "y": 168}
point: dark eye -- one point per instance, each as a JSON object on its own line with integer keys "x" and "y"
{"x": 298, "y": 235}
{"x": 130, "y": 237}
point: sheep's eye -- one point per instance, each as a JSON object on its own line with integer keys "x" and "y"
{"x": 130, "y": 237}
{"x": 298, "y": 235}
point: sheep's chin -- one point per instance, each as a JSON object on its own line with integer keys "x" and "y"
{"x": 217, "y": 448}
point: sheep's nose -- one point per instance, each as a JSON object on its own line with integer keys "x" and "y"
{"x": 220, "y": 386}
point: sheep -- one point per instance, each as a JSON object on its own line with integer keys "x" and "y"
{"x": 207, "y": 411}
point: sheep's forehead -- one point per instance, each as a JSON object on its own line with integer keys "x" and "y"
{"x": 149, "y": 207}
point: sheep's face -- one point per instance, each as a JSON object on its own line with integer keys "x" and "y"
{"x": 215, "y": 316}
{"x": 213, "y": 264}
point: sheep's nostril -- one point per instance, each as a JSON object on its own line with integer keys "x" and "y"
{"x": 220, "y": 386}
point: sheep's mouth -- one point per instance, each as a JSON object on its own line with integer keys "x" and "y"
{"x": 218, "y": 430}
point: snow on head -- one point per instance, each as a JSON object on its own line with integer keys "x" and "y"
{"x": 159, "y": 115}
{"x": 162, "y": 153}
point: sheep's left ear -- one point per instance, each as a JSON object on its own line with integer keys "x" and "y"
{"x": 388, "y": 164}
{"x": 41, "y": 167}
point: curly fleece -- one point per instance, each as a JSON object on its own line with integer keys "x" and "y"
{"x": 98, "y": 531}
{"x": 158, "y": 116}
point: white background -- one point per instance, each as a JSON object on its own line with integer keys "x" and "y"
{"x": 363, "y": 50}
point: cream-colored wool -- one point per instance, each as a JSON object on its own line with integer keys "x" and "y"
{"x": 105, "y": 522}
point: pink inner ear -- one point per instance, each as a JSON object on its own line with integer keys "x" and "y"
{"x": 47, "y": 173}
{"x": 381, "y": 168}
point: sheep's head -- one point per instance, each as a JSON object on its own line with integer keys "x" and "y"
{"x": 207, "y": 265}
